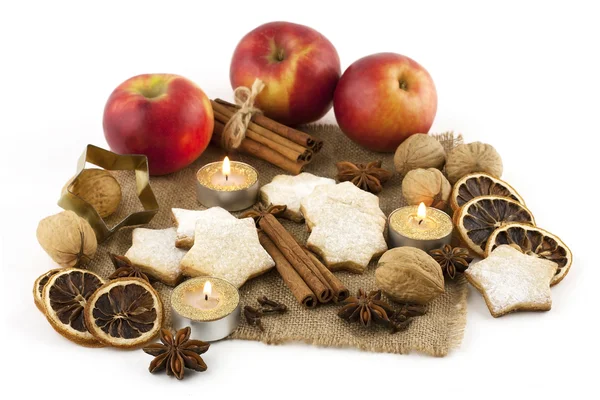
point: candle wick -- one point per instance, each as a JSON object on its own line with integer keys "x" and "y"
{"x": 226, "y": 177}
{"x": 420, "y": 222}
{"x": 205, "y": 297}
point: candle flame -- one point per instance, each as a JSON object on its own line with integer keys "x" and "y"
{"x": 207, "y": 290}
{"x": 226, "y": 167}
{"x": 422, "y": 211}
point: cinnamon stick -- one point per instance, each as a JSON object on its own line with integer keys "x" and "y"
{"x": 255, "y": 149}
{"x": 293, "y": 155}
{"x": 292, "y": 251}
{"x": 259, "y": 130}
{"x": 296, "y": 136}
{"x": 290, "y": 277}
{"x": 340, "y": 292}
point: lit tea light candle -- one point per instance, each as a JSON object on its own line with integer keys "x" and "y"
{"x": 210, "y": 306}
{"x": 207, "y": 300}
{"x": 426, "y": 228}
{"x": 232, "y": 185}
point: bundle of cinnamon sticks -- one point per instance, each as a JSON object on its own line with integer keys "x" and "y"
{"x": 280, "y": 145}
{"x": 303, "y": 273}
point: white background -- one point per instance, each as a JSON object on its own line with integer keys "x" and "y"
{"x": 523, "y": 77}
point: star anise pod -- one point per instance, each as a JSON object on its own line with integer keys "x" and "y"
{"x": 124, "y": 268}
{"x": 176, "y": 353}
{"x": 369, "y": 177}
{"x": 366, "y": 308}
{"x": 452, "y": 259}
{"x": 260, "y": 210}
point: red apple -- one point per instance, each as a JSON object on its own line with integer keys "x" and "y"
{"x": 298, "y": 65}
{"x": 166, "y": 117}
{"x": 384, "y": 98}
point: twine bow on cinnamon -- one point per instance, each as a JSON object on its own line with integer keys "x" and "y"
{"x": 235, "y": 129}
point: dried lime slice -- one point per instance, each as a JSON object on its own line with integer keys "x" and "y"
{"x": 480, "y": 184}
{"x": 64, "y": 298}
{"x": 38, "y": 288}
{"x": 477, "y": 219}
{"x": 533, "y": 241}
{"x": 125, "y": 313}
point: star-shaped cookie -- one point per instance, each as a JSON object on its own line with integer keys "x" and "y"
{"x": 154, "y": 251}
{"x": 512, "y": 281}
{"x": 186, "y": 220}
{"x": 227, "y": 249}
{"x": 346, "y": 226}
{"x": 289, "y": 191}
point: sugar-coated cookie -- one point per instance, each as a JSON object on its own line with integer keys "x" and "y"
{"x": 289, "y": 191}
{"x": 186, "y": 220}
{"x": 512, "y": 281}
{"x": 154, "y": 251}
{"x": 227, "y": 249}
{"x": 346, "y": 226}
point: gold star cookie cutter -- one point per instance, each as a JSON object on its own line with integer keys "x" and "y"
{"x": 112, "y": 162}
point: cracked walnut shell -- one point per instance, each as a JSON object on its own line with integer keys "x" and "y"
{"x": 427, "y": 186}
{"x": 419, "y": 151}
{"x": 67, "y": 238}
{"x": 98, "y": 188}
{"x": 409, "y": 275}
{"x": 465, "y": 159}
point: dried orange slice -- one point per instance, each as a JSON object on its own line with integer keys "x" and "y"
{"x": 480, "y": 184}
{"x": 64, "y": 298}
{"x": 38, "y": 287}
{"x": 479, "y": 217}
{"x": 125, "y": 313}
{"x": 533, "y": 241}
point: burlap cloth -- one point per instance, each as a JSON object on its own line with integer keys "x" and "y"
{"x": 435, "y": 333}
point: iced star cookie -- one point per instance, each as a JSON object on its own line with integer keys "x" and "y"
{"x": 186, "y": 220}
{"x": 346, "y": 226}
{"x": 227, "y": 249}
{"x": 289, "y": 191}
{"x": 512, "y": 281}
{"x": 154, "y": 251}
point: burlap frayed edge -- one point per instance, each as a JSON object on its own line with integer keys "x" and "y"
{"x": 456, "y": 329}
{"x": 456, "y": 326}
{"x": 449, "y": 137}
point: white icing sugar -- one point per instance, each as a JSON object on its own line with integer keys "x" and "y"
{"x": 511, "y": 280}
{"x": 227, "y": 249}
{"x": 155, "y": 252}
{"x": 289, "y": 191}
{"x": 346, "y": 225}
{"x": 186, "y": 220}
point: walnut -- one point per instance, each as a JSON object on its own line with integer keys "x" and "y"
{"x": 473, "y": 157}
{"x": 429, "y": 186}
{"x": 419, "y": 151}
{"x": 408, "y": 274}
{"x": 98, "y": 188}
{"x": 67, "y": 238}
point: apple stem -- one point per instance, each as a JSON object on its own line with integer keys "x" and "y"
{"x": 280, "y": 55}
